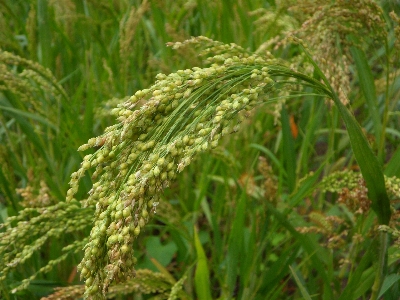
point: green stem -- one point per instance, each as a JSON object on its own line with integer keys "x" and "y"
{"x": 382, "y": 263}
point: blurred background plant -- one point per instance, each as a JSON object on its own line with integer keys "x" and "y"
{"x": 280, "y": 208}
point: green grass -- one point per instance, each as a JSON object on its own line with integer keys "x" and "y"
{"x": 232, "y": 225}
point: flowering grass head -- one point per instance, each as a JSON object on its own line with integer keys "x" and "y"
{"x": 160, "y": 131}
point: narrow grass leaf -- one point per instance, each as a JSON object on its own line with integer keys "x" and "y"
{"x": 247, "y": 265}
{"x": 389, "y": 281}
{"x": 235, "y": 245}
{"x": 367, "y": 85}
{"x": 369, "y": 165}
{"x": 202, "y": 275}
{"x": 303, "y": 289}
{"x": 31, "y": 116}
{"x": 393, "y": 166}
{"x": 366, "y": 281}
{"x": 163, "y": 270}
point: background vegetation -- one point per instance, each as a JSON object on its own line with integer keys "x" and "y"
{"x": 278, "y": 210}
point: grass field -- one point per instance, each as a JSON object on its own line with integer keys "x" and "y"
{"x": 227, "y": 149}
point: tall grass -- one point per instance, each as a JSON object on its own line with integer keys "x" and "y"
{"x": 281, "y": 196}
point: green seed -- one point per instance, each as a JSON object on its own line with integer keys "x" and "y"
{"x": 112, "y": 239}
{"x": 124, "y": 249}
{"x": 136, "y": 232}
{"x": 126, "y": 212}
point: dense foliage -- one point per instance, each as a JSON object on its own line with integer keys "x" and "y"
{"x": 245, "y": 149}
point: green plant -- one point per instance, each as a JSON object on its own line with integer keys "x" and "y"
{"x": 164, "y": 128}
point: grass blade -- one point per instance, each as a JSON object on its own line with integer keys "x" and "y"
{"x": 235, "y": 246}
{"x": 367, "y": 85}
{"x": 387, "y": 284}
{"x": 393, "y": 166}
{"x": 300, "y": 284}
{"x": 28, "y": 115}
{"x": 202, "y": 275}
